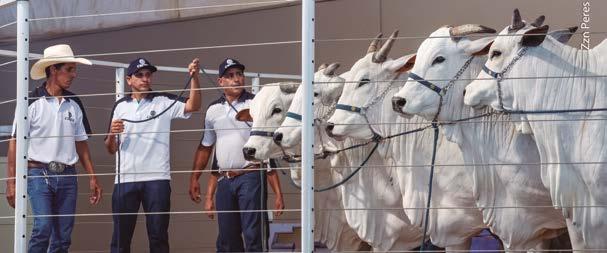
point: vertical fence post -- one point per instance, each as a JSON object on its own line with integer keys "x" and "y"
{"x": 21, "y": 114}
{"x": 255, "y": 83}
{"x": 307, "y": 162}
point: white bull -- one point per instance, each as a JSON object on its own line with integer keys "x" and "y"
{"x": 268, "y": 110}
{"x": 571, "y": 145}
{"x": 376, "y": 82}
{"x": 371, "y": 188}
{"x": 506, "y": 171}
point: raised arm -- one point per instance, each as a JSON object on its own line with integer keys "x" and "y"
{"x": 193, "y": 103}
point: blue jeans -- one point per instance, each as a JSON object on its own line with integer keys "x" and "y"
{"x": 155, "y": 196}
{"x": 52, "y": 196}
{"x": 241, "y": 193}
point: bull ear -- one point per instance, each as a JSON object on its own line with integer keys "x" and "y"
{"x": 564, "y": 35}
{"x": 477, "y": 47}
{"x": 244, "y": 115}
{"x": 402, "y": 64}
{"x": 537, "y": 37}
{"x": 290, "y": 87}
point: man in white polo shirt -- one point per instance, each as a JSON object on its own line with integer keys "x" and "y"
{"x": 52, "y": 185}
{"x": 143, "y": 175}
{"x": 237, "y": 188}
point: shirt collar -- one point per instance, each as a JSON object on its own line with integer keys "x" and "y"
{"x": 150, "y": 96}
{"x": 244, "y": 96}
{"x": 41, "y": 91}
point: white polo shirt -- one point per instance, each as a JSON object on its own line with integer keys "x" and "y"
{"x": 55, "y": 126}
{"x": 145, "y": 147}
{"x": 228, "y": 143}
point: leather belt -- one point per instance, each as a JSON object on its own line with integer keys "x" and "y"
{"x": 56, "y": 167}
{"x": 235, "y": 173}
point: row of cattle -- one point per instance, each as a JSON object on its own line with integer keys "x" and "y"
{"x": 527, "y": 177}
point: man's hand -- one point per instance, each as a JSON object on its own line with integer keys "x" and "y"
{"x": 209, "y": 206}
{"x": 10, "y": 193}
{"x": 194, "y": 68}
{"x": 195, "y": 191}
{"x": 117, "y": 126}
{"x": 96, "y": 192}
{"x": 279, "y": 205}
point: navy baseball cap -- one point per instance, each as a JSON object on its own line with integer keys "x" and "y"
{"x": 138, "y": 64}
{"x": 229, "y": 63}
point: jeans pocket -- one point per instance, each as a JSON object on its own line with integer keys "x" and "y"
{"x": 35, "y": 180}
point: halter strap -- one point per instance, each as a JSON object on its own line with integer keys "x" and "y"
{"x": 349, "y": 108}
{"x": 294, "y": 116}
{"x": 262, "y": 133}
{"x": 428, "y": 84}
{"x": 492, "y": 73}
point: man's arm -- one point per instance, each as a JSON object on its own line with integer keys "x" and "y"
{"x": 274, "y": 182}
{"x": 10, "y": 184}
{"x": 82, "y": 148}
{"x": 111, "y": 144}
{"x": 209, "y": 204}
{"x": 193, "y": 103}
{"x": 201, "y": 158}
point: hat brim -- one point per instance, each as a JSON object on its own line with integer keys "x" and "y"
{"x": 240, "y": 66}
{"x": 37, "y": 71}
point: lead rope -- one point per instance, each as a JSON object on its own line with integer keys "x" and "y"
{"x": 426, "y": 221}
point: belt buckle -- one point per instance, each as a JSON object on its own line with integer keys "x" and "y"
{"x": 228, "y": 175}
{"x": 56, "y": 167}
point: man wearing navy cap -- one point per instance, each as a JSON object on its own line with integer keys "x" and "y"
{"x": 144, "y": 170}
{"x": 235, "y": 187}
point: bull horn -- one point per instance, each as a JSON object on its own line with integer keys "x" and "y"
{"x": 463, "y": 30}
{"x": 329, "y": 71}
{"x": 517, "y": 21}
{"x": 322, "y": 66}
{"x": 539, "y": 21}
{"x": 374, "y": 44}
{"x": 381, "y": 55}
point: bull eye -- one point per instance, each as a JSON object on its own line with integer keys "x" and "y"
{"x": 276, "y": 111}
{"x": 495, "y": 53}
{"x": 315, "y": 94}
{"x": 363, "y": 82}
{"x": 438, "y": 60}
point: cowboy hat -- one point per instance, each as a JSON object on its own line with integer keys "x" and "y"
{"x": 52, "y": 55}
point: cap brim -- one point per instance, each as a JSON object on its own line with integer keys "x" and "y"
{"x": 37, "y": 71}
{"x": 240, "y": 66}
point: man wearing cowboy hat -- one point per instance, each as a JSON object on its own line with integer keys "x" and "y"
{"x": 52, "y": 183}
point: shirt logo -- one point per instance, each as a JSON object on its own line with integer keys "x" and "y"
{"x": 69, "y": 117}
{"x": 152, "y": 114}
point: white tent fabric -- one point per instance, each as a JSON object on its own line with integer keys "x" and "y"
{"x": 87, "y": 15}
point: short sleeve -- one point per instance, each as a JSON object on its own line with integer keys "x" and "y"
{"x": 81, "y": 130}
{"x": 178, "y": 110}
{"x": 208, "y": 135}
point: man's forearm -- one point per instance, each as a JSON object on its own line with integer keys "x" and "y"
{"x": 201, "y": 158}
{"x": 12, "y": 164}
{"x": 193, "y": 103}
{"x": 110, "y": 144}
{"x": 84, "y": 154}
{"x": 274, "y": 182}
{"x": 211, "y": 186}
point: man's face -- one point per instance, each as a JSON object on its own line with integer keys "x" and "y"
{"x": 232, "y": 82}
{"x": 64, "y": 75}
{"x": 140, "y": 80}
